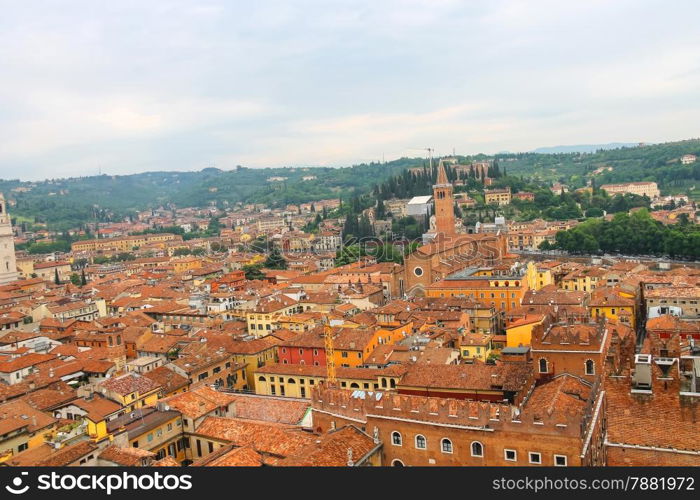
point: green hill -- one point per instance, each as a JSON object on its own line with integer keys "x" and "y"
{"x": 66, "y": 203}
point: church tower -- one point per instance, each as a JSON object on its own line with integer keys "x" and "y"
{"x": 444, "y": 204}
{"x": 8, "y": 265}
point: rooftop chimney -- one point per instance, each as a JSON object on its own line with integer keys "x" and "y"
{"x": 641, "y": 380}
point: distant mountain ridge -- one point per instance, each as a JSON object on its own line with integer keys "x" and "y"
{"x": 584, "y": 148}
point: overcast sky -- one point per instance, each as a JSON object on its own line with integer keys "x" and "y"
{"x": 181, "y": 85}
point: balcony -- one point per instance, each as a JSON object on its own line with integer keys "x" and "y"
{"x": 68, "y": 434}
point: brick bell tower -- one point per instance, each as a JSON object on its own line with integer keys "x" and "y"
{"x": 444, "y": 204}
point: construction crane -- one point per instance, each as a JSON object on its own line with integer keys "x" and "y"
{"x": 330, "y": 352}
{"x": 430, "y": 154}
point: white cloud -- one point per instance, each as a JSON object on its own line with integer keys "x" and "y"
{"x": 177, "y": 85}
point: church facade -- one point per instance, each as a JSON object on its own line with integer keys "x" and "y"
{"x": 448, "y": 251}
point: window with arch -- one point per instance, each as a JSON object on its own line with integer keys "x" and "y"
{"x": 446, "y": 445}
{"x": 396, "y": 439}
{"x": 590, "y": 367}
{"x": 261, "y": 379}
{"x": 477, "y": 449}
{"x": 543, "y": 365}
{"x": 421, "y": 443}
{"x": 396, "y": 463}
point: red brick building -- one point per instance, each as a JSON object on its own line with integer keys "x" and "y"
{"x": 579, "y": 349}
{"x": 505, "y": 381}
{"x": 560, "y": 425}
{"x": 665, "y": 333}
{"x": 653, "y": 417}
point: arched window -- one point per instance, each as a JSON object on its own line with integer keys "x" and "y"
{"x": 396, "y": 439}
{"x": 291, "y": 381}
{"x": 396, "y": 463}
{"x": 261, "y": 379}
{"x": 446, "y": 445}
{"x": 590, "y": 367}
{"x": 477, "y": 449}
{"x": 354, "y": 385}
{"x": 543, "y": 365}
{"x": 421, "y": 443}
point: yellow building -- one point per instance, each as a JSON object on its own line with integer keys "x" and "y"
{"x": 497, "y": 196}
{"x": 205, "y": 365}
{"x": 253, "y": 259}
{"x": 95, "y": 412}
{"x": 502, "y": 292}
{"x": 159, "y": 431}
{"x": 131, "y": 391}
{"x": 519, "y": 333}
{"x": 613, "y": 304}
{"x": 297, "y": 381}
{"x": 583, "y": 280}
{"x": 475, "y": 346}
{"x": 22, "y": 427}
{"x": 186, "y": 264}
{"x": 353, "y": 346}
{"x": 126, "y": 244}
{"x": 255, "y": 354}
{"x": 268, "y": 312}
{"x": 541, "y": 274}
{"x": 299, "y": 322}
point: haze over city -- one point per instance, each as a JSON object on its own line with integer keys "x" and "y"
{"x": 129, "y": 87}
